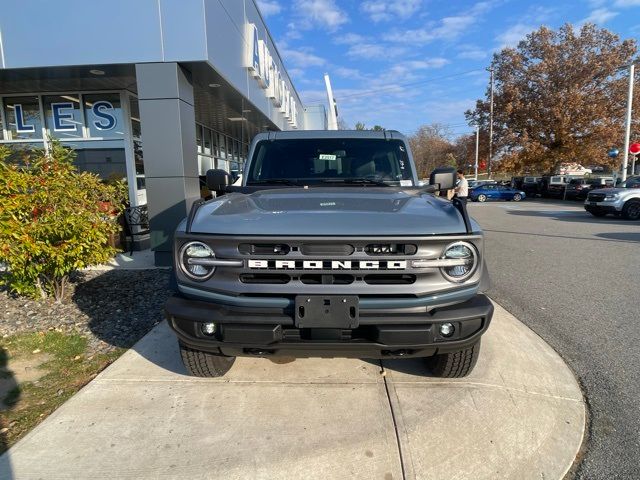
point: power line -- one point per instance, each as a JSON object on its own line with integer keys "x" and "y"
{"x": 395, "y": 87}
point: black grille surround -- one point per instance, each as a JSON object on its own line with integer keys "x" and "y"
{"x": 596, "y": 197}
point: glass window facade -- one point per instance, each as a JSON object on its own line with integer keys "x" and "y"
{"x": 103, "y": 115}
{"x": 217, "y": 150}
{"x": 23, "y": 117}
{"x": 97, "y": 125}
{"x": 63, "y": 117}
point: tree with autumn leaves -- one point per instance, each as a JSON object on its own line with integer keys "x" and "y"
{"x": 559, "y": 97}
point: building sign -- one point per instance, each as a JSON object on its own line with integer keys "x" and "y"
{"x": 264, "y": 69}
{"x": 62, "y": 117}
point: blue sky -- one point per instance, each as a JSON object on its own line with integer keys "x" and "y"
{"x": 405, "y": 63}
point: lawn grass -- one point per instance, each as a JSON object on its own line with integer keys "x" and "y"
{"x": 67, "y": 367}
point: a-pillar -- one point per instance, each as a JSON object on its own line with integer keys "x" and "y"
{"x": 167, "y": 118}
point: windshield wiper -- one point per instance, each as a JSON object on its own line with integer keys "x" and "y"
{"x": 356, "y": 181}
{"x": 285, "y": 181}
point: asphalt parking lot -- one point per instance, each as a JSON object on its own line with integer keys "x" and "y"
{"x": 574, "y": 279}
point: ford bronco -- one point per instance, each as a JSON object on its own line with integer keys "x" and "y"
{"x": 329, "y": 247}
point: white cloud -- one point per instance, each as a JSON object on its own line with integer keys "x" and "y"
{"x": 599, "y": 16}
{"x": 349, "y": 39}
{"x": 472, "y": 52}
{"x": 447, "y": 28}
{"x": 511, "y": 36}
{"x": 626, "y": 3}
{"x": 320, "y": 13}
{"x": 374, "y": 51}
{"x": 346, "y": 72}
{"x": 302, "y": 58}
{"x": 379, "y": 10}
{"x": 269, "y": 7}
{"x": 436, "y": 62}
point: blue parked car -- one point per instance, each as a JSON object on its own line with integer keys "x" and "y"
{"x": 495, "y": 192}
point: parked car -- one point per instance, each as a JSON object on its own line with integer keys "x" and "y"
{"x": 578, "y": 188}
{"x": 623, "y": 201}
{"x": 532, "y": 186}
{"x": 496, "y": 192}
{"x": 478, "y": 183}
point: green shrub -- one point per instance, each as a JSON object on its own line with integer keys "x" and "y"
{"x": 54, "y": 220}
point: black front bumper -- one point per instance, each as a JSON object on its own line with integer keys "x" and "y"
{"x": 242, "y": 331}
{"x": 601, "y": 209}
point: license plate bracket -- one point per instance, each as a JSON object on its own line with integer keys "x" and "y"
{"x": 593, "y": 204}
{"x": 327, "y": 311}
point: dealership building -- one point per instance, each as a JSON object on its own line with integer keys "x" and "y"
{"x": 154, "y": 91}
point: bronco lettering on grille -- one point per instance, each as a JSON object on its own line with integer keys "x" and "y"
{"x": 328, "y": 264}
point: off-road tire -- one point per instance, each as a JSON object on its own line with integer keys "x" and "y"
{"x": 631, "y": 210}
{"x": 482, "y": 198}
{"x": 205, "y": 364}
{"x": 517, "y": 197}
{"x": 454, "y": 364}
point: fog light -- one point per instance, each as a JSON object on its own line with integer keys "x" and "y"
{"x": 208, "y": 328}
{"x": 447, "y": 329}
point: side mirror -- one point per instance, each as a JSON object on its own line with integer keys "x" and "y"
{"x": 443, "y": 178}
{"x": 218, "y": 180}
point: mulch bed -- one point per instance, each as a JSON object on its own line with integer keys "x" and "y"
{"x": 113, "y": 308}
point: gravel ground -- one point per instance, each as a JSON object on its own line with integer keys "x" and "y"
{"x": 113, "y": 308}
{"x": 573, "y": 279}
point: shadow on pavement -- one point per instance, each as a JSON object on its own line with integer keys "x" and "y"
{"x": 123, "y": 305}
{"x": 621, "y": 236}
{"x": 411, "y": 366}
{"x": 162, "y": 350}
{"x": 8, "y": 388}
{"x": 570, "y": 216}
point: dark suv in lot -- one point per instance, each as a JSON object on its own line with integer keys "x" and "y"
{"x": 579, "y": 188}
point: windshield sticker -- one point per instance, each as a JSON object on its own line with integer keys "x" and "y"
{"x": 405, "y": 183}
{"x": 326, "y": 156}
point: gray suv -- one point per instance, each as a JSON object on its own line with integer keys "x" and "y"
{"x": 329, "y": 248}
{"x": 623, "y": 201}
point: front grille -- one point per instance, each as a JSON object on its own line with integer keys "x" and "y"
{"x": 265, "y": 278}
{"x": 596, "y": 197}
{"x": 264, "y": 248}
{"x": 390, "y": 249}
{"x": 318, "y": 279}
{"x": 383, "y": 279}
{"x": 320, "y": 249}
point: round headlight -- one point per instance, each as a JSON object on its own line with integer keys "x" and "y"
{"x": 191, "y": 256}
{"x": 467, "y": 259}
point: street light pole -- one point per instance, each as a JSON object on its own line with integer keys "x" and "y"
{"x": 475, "y": 176}
{"x": 627, "y": 128}
{"x": 490, "y": 124}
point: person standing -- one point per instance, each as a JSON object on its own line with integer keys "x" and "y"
{"x": 462, "y": 189}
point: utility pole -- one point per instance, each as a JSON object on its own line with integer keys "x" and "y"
{"x": 490, "y": 124}
{"x": 333, "y": 114}
{"x": 477, "y": 151}
{"x": 627, "y": 127}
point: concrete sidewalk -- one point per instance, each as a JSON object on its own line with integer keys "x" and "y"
{"x": 519, "y": 415}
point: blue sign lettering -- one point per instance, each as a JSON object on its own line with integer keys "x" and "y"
{"x": 63, "y": 121}
{"x": 108, "y": 121}
{"x": 22, "y": 127}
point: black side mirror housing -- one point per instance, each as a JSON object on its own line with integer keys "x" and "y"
{"x": 443, "y": 178}
{"x": 218, "y": 180}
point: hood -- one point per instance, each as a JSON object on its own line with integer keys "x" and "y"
{"x": 609, "y": 190}
{"x": 348, "y": 211}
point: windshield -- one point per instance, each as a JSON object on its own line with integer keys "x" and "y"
{"x": 331, "y": 160}
{"x": 632, "y": 182}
